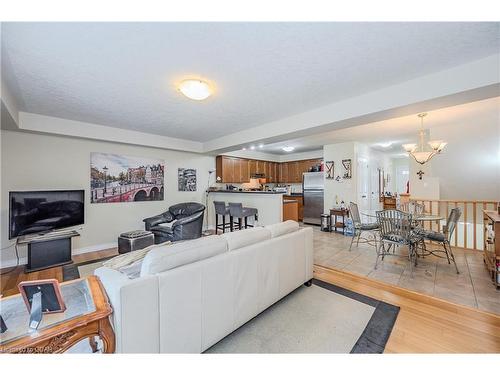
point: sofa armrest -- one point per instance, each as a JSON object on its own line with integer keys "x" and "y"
{"x": 135, "y": 316}
{"x": 188, "y": 228}
{"x": 165, "y": 217}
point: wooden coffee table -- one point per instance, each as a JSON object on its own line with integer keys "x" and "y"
{"x": 86, "y": 316}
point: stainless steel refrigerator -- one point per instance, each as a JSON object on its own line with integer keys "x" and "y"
{"x": 313, "y": 184}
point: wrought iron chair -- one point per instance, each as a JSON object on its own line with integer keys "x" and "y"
{"x": 396, "y": 231}
{"x": 359, "y": 228}
{"x": 413, "y": 208}
{"x": 443, "y": 238}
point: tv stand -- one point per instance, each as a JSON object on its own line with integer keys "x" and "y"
{"x": 48, "y": 250}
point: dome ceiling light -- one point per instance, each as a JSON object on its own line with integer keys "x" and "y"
{"x": 195, "y": 89}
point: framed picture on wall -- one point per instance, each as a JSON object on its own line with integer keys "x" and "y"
{"x": 186, "y": 179}
{"x": 347, "y": 166}
{"x": 120, "y": 178}
{"x": 330, "y": 170}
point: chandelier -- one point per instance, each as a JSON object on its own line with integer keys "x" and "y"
{"x": 420, "y": 152}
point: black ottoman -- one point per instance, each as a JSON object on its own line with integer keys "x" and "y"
{"x": 135, "y": 240}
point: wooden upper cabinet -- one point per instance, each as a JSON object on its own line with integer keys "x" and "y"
{"x": 284, "y": 172}
{"x": 227, "y": 170}
{"x": 236, "y": 170}
{"x": 271, "y": 172}
{"x": 239, "y": 170}
{"x": 245, "y": 170}
{"x": 293, "y": 171}
{"x": 263, "y": 168}
{"x": 252, "y": 168}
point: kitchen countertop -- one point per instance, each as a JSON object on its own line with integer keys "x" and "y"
{"x": 245, "y": 192}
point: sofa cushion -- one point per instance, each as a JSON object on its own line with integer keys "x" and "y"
{"x": 246, "y": 237}
{"x": 164, "y": 258}
{"x": 285, "y": 227}
{"x": 123, "y": 260}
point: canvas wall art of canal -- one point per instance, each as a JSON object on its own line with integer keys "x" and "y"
{"x": 119, "y": 178}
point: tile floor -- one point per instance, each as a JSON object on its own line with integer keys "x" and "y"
{"x": 432, "y": 276}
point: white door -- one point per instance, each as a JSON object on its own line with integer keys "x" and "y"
{"x": 363, "y": 185}
{"x": 374, "y": 189}
{"x": 402, "y": 178}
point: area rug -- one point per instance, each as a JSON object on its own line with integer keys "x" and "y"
{"x": 323, "y": 318}
{"x": 76, "y": 270}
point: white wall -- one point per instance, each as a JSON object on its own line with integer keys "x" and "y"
{"x": 43, "y": 162}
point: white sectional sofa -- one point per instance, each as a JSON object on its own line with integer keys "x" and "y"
{"x": 192, "y": 294}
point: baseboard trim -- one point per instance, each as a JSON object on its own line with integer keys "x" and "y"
{"x": 90, "y": 249}
{"x": 82, "y": 250}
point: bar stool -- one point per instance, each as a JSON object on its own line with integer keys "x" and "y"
{"x": 237, "y": 211}
{"x": 222, "y": 210}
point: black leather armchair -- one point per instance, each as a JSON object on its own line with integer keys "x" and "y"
{"x": 188, "y": 224}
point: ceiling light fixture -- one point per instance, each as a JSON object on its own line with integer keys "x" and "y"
{"x": 244, "y": 148}
{"x": 288, "y": 148}
{"x": 385, "y": 145}
{"x": 419, "y": 152}
{"x": 261, "y": 145}
{"x": 195, "y": 89}
{"x": 252, "y": 147}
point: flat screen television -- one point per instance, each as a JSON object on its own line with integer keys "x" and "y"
{"x": 32, "y": 212}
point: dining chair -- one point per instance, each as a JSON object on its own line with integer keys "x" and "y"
{"x": 360, "y": 227}
{"x": 443, "y": 238}
{"x": 396, "y": 231}
{"x": 413, "y": 208}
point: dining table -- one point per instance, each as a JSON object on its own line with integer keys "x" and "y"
{"x": 420, "y": 218}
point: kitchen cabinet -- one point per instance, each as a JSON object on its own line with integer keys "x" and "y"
{"x": 290, "y": 210}
{"x": 245, "y": 170}
{"x": 238, "y": 170}
{"x": 284, "y": 172}
{"x": 262, "y": 167}
{"x": 300, "y": 204}
{"x": 293, "y": 171}
{"x": 273, "y": 172}
{"x": 252, "y": 167}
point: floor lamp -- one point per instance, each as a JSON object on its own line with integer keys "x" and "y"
{"x": 210, "y": 172}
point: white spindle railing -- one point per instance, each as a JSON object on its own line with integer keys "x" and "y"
{"x": 469, "y": 231}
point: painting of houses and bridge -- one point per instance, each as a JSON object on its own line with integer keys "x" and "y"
{"x": 118, "y": 178}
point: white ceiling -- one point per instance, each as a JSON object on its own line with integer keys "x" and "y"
{"x": 389, "y": 135}
{"x": 124, "y": 74}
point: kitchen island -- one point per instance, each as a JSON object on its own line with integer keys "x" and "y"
{"x": 268, "y": 203}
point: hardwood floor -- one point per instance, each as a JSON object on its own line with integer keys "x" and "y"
{"x": 9, "y": 280}
{"x": 425, "y": 324}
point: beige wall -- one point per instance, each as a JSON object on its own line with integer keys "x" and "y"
{"x": 346, "y": 189}
{"x": 469, "y": 167}
{"x": 42, "y": 162}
